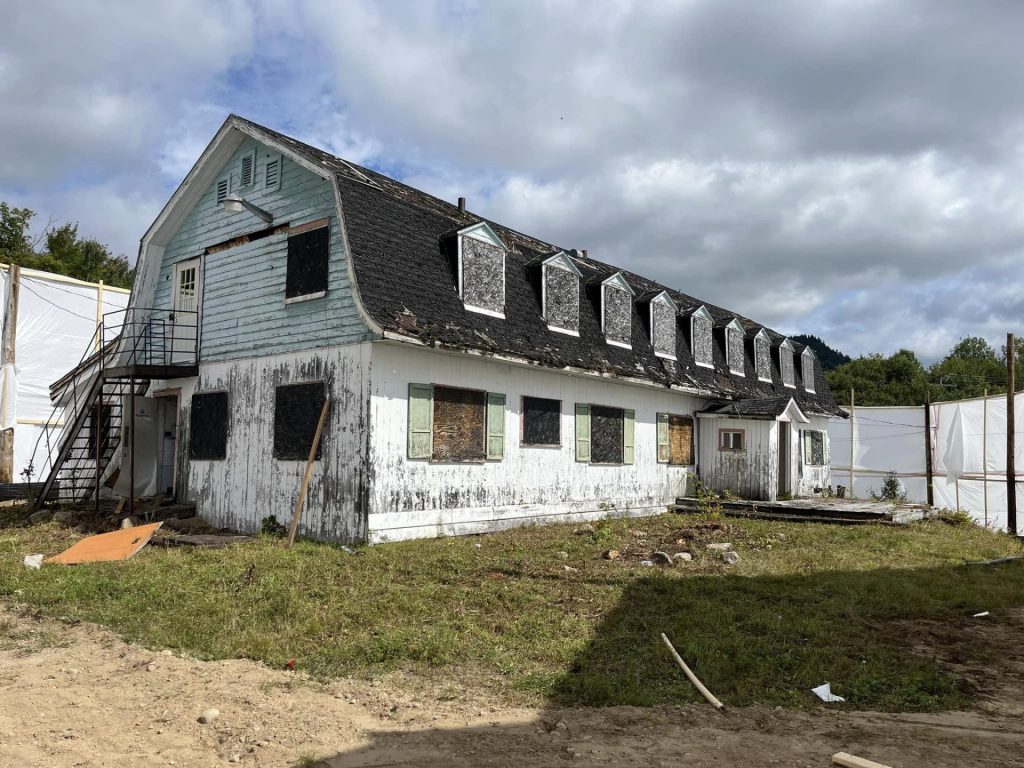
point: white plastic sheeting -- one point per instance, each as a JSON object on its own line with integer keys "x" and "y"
{"x": 57, "y": 320}
{"x": 968, "y": 445}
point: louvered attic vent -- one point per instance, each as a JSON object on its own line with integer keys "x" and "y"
{"x": 247, "y": 170}
{"x": 273, "y": 172}
{"x": 222, "y": 190}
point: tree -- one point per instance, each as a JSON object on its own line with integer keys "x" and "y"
{"x": 829, "y": 358}
{"x": 896, "y": 380}
{"x": 65, "y": 252}
{"x": 969, "y": 369}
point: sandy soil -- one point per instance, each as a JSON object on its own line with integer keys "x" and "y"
{"x": 79, "y": 696}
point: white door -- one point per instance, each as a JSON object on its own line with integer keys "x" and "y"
{"x": 183, "y": 330}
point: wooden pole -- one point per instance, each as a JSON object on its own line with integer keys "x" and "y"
{"x": 1011, "y": 470}
{"x": 9, "y": 345}
{"x": 714, "y": 702}
{"x": 853, "y": 441}
{"x": 99, "y": 315}
{"x": 928, "y": 448}
{"x": 984, "y": 450}
{"x": 131, "y": 448}
{"x": 297, "y": 514}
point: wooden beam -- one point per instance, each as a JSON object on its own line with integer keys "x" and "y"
{"x": 297, "y": 514}
{"x": 928, "y": 448}
{"x": 9, "y": 349}
{"x": 852, "y": 761}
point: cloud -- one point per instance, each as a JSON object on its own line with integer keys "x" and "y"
{"x": 849, "y": 169}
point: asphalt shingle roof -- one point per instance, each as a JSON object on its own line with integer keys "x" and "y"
{"x": 400, "y": 248}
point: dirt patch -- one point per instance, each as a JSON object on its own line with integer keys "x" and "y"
{"x": 693, "y": 539}
{"x": 75, "y": 695}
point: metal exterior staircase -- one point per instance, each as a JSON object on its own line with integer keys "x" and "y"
{"x": 75, "y": 456}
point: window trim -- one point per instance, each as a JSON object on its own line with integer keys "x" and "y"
{"x": 703, "y": 312}
{"x": 482, "y": 232}
{"x": 665, "y": 299}
{"x": 723, "y": 431}
{"x": 560, "y": 261}
{"x": 825, "y": 458}
{"x": 735, "y": 325}
{"x": 763, "y": 335}
{"x": 522, "y": 423}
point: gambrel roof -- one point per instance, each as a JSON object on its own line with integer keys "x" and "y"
{"x": 400, "y": 241}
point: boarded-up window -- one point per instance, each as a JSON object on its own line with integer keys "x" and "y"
{"x": 561, "y": 298}
{"x": 731, "y": 439}
{"x": 459, "y": 424}
{"x": 807, "y": 363}
{"x": 702, "y": 354}
{"x": 734, "y": 339}
{"x": 763, "y": 358}
{"x": 308, "y": 259}
{"x": 815, "y": 448}
{"x": 483, "y": 275}
{"x": 786, "y": 366}
{"x": 297, "y": 410}
{"x": 208, "y": 426}
{"x": 680, "y": 440}
{"x": 606, "y": 434}
{"x": 618, "y": 312}
{"x": 542, "y": 421}
{"x": 663, "y": 328}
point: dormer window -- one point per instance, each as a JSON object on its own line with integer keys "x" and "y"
{"x": 481, "y": 270}
{"x": 734, "y": 355}
{"x": 807, "y": 369}
{"x": 700, "y": 336}
{"x": 663, "y": 325}
{"x": 786, "y": 364}
{"x": 617, "y": 311}
{"x": 560, "y": 288}
{"x": 763, "y": 356}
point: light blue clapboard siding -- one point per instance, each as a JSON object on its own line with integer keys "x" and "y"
{"x": 243, "y": 309}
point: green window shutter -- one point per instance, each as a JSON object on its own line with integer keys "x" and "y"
{"x": 628, "y": 436}
{"x": 805, "y": 441}
{"x": 495, "y": 426}
{"x": 582, "y": 432}
{"x": 421, "y": 420}
{"x": 664, "y": 452}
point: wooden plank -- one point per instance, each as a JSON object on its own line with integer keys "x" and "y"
{"x": 852, "y": 761}
{"x": 9, "y": 344}
{"x": 309, "y": 471}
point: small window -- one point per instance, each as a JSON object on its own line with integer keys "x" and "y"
{"x": 700, "y": 334}
{"x": 272, "y": 172}
{"x": 763, "y": 356}
{"x": 297, "y": 410}
{"x": 247, "y": 173}
{"x": 663, "y": 326}
{"x": 561, "y": 289}
{"x": 617, "y": 311}
{"x": 730, "y": 439}
{"x": 807, "y": 372}
{"x": 542, "y": 422}
{"x": 815, "y": 448}
{"x": 734, "y": 335}
{"x": 786, "y": 364}
{"x": 675, "y": 439}
{"x": 482, "y": 270}
{"x": 222, "y": 190}
{"x": 208, "y": 426}
{"x": 308, "y": 260}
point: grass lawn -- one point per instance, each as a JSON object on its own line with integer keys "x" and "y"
{"x": 806, "y": 604}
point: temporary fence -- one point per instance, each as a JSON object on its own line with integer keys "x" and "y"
{"x": 967, "y": 442}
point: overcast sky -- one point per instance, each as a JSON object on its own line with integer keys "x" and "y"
{"x": 849, "y": 169}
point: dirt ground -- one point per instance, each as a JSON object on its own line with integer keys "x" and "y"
{"x": 79, "y": 696}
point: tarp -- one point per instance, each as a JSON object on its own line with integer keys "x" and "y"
{"x": 968, "y": 446}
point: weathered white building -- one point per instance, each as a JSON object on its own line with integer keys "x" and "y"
{"x": 478, "y": 377}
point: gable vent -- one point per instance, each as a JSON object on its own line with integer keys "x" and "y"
{"x": 247, "y": 167}
{"x": 273, "y": 172}
{"x": 222, "y": 190}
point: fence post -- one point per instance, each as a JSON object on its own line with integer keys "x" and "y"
{"x": 853, "y": 442}
{"x": 928, "y": 447}
{"x": 1011, "y": 470}
{"x": 984, "y": 450}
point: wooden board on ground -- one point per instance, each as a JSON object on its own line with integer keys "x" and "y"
{"x": 204, "y": 540}
{"x": 119, "y": 545}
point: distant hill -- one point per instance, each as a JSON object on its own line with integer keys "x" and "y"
{"x": 830, "y": 358}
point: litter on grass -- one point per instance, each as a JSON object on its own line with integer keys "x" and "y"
{"x": 33, "y": 561}
{"x": 979, "y": 615}
{"x": 824, "y": 692}
{"x": 118, "y": 545}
